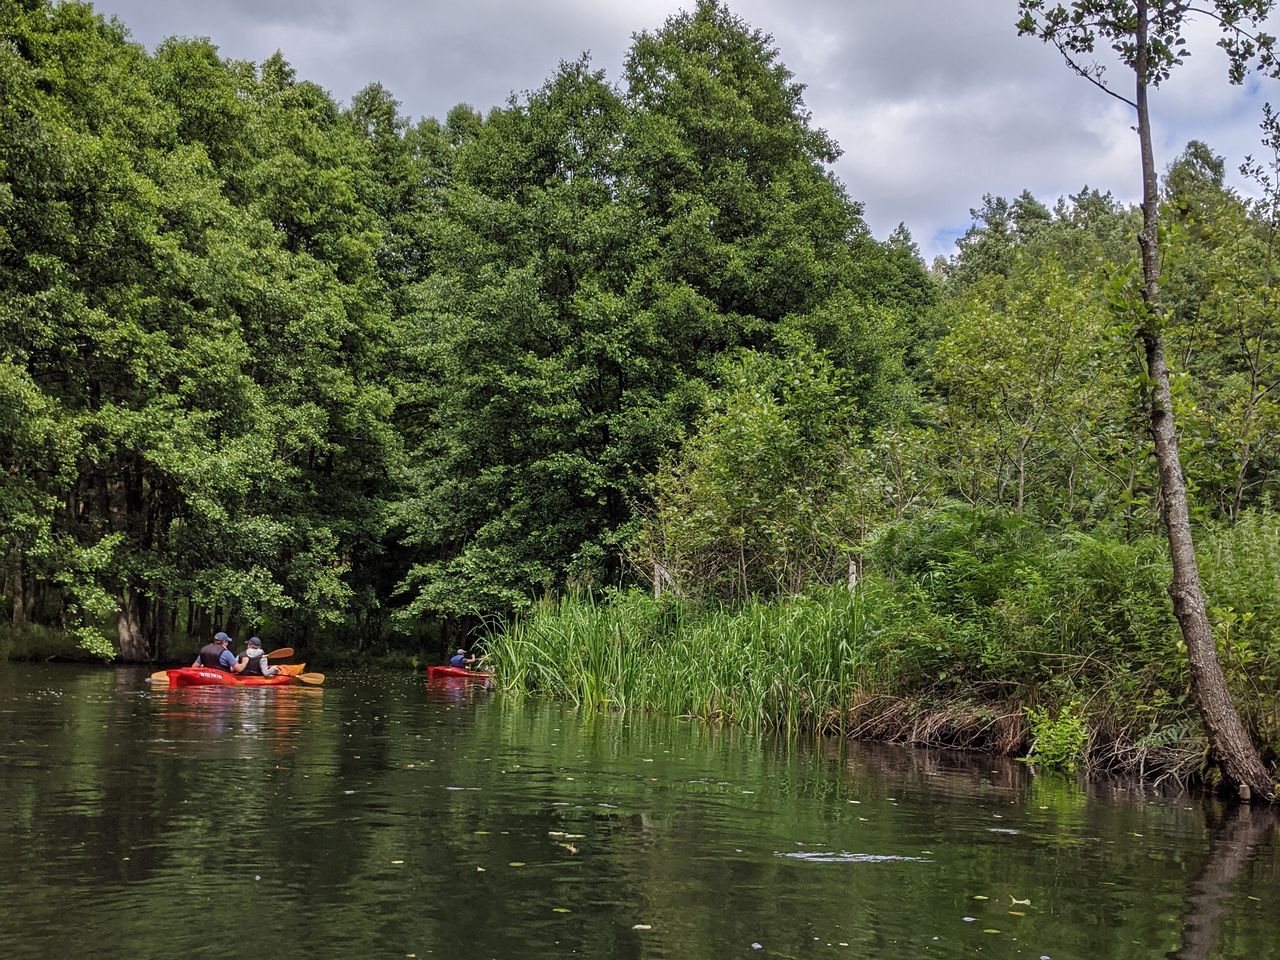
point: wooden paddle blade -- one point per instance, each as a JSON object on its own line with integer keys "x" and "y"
{"x": 284, "y": 653}
{"x": 312, "y": 679}
{"x": 160, "y": 676}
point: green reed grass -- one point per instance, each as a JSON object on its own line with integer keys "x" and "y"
{"x": 958, "y": 606}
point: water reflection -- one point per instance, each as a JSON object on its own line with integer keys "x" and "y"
{"x": 210, "y": 721}
{"x": 1235, "y": 834}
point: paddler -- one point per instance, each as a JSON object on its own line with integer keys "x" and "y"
{"x": 461, "y": 660}
{"x": 217, "y": 654}
{"x": 253, "y": 662}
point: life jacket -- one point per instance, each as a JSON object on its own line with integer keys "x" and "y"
{"x": 254, "y": 667}
{"x": 458, "y": 660}
{"x": 211, "y": 655}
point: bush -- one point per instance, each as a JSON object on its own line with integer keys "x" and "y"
{"x": 1057, "y": 742}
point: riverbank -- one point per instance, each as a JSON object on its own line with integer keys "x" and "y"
{"x": 972, "y": 630}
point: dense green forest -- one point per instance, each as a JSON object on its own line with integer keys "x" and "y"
{"x": 271, "y": 362}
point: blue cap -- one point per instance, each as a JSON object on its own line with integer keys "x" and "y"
{"x": 223, "y": 637}
{"x": 253, "y": 642}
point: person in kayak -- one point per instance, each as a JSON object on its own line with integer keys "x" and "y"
{"x": 217, "y": 654}
{"x": 253, "y": 662}
{"x": 461, "y": 660}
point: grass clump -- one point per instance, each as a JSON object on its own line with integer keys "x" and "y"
{"x": 970, "y": 628}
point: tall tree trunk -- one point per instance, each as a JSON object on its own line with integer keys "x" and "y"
{"x": 133, "y": 645}
{"x": 1229, "y": 742}
{"x": 13, "y": 588}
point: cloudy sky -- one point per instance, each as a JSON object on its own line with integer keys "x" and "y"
{"x": 935, "y": 102}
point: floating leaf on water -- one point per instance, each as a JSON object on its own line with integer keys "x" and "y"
{"x": 555, "y": 833}
{"x": 482, "y": 833}
{"x": 641, "y": 926}
{"x": 479, "y": 869}
{"x": 968, "y": 919}
{"x": 1016, "y": 913}
{"x": 397, "y": 861}
{"x": 561, "y": 910}
{"x": 978, "y": 896}
{"x": 516, "y": 863}
{"x": 1259, "y": 899}
{"x": 990, "y": 930}
{"x": 1019, "y": 903}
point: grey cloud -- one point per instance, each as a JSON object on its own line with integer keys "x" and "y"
{"x": 935, "y": 102}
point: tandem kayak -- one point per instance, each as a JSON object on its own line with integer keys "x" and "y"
{"x": 206, "y": 677}
{"x": 456, "y": 673}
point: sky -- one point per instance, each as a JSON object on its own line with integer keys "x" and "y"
{"x": 934, "y": 102}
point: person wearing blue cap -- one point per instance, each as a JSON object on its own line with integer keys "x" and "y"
{"x": 217, "y": 653}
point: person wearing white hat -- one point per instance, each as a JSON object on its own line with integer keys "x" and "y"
{"x": 253, "y": 662}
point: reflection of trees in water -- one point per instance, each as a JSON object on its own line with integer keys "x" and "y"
{"x": 1232, "y": 842}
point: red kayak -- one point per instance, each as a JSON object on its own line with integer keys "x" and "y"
{"x": 456, "y": 673}
{"x": 205, "y": 677}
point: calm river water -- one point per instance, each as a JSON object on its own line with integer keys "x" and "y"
{"x": 379, "y": 817}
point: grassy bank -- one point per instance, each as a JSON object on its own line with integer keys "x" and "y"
{"x": 970, "y": 629}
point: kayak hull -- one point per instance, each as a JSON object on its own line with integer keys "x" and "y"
{"x": 457, "y": 673}
{"x": 206, "y": 677}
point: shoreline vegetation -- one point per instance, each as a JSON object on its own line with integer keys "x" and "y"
{"x": 970, "y": 630}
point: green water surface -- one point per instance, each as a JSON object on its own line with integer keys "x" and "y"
{"x": 382, "y": 817}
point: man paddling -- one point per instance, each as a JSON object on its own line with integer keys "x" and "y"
{"x": 217, "y": 654}
{"x": 461, "y": 660}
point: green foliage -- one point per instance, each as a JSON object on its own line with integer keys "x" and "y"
{"x": 1058, "y": 742}
{"x": 766, "y": 497}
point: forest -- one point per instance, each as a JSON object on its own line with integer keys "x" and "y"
{"x": 613, "y": 383}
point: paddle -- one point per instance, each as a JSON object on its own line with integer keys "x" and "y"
{"x": 313, "y": 679}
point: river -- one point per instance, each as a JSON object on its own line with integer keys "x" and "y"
{"x": 379, "y": 817}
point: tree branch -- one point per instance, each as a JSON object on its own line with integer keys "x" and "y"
{"x": 1089, "y": 76}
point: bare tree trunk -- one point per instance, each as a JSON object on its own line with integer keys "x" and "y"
{"x": 1229, "y": 742}
{"x": 13, "y": 588}
{"x": 133, "y": 646}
